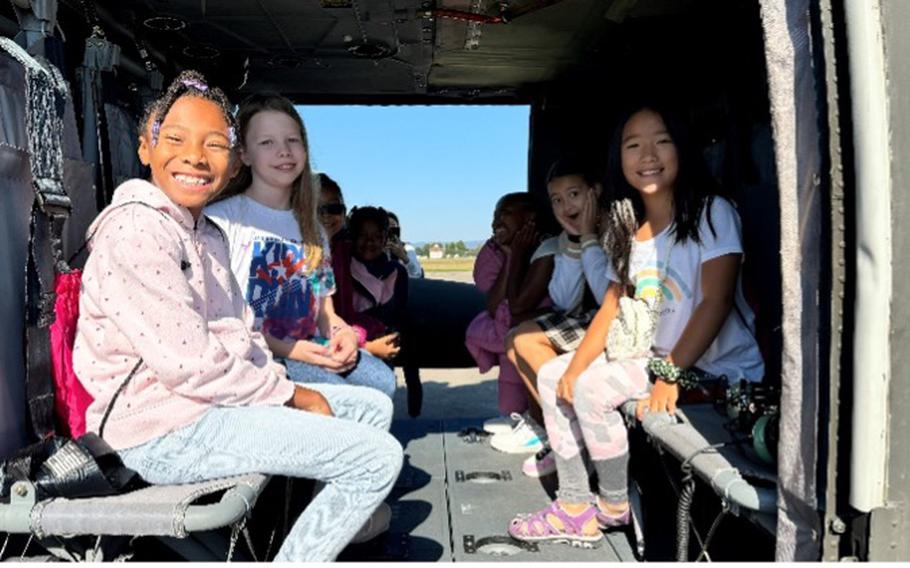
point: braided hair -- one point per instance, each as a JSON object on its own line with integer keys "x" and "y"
{"x": 305, "y": 192}
{"x": 693, "y": 193}
{"x": 188, "y": 83}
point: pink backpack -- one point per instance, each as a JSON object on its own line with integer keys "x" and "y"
{"x": 71, "y": 399}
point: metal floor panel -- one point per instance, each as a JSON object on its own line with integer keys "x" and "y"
{"x": 441, "y": 513}
{"x": 486, "y": 489}
{"x": 419, "y": 529}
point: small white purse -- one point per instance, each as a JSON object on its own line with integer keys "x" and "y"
{"x": 631, "y": 333}
{"x": 632, "y": 330}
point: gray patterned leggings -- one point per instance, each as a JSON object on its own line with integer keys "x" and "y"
{"x": 594, "y": 424}
{"x": 352, "y": 454}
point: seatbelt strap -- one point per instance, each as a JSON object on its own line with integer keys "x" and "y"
{"x": 46, "y": 95}
{"x": 100, "y": 56}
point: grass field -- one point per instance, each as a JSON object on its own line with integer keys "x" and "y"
{"x": 447, "y": 264}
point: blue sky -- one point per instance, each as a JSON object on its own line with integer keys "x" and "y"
{"x": 440, "y": 168}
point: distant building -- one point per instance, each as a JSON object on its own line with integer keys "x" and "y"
{"x": 436, "y": 251}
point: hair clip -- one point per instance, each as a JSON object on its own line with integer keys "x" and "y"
{"x": 198, "y": 85}
{"x": 232, "y": 136}
{"x": 156, "y": 128}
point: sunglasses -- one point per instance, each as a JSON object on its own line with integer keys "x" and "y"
{"x": 331, "y": 209}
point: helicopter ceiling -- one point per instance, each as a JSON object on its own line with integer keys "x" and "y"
{"x": 337, "y": 50}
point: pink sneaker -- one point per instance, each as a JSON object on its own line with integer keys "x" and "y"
{"x": 540, "y": 464}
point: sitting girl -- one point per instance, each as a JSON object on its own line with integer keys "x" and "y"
{"x": 679, "y": 248}
{"x": 380, "y": 282}
{"x": 163, "y": 322}
{"x": 279, "y": 251}
{"x": 512, "y": 269}
{"x": 578, "y": 285}
{"x": 332, "y": 216}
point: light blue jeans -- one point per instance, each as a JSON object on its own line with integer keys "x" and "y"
{"x": 352, "y": 454}
{"x": 369, "y": 372}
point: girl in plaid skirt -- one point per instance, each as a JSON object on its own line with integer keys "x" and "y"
{"x": 578, "y": 284}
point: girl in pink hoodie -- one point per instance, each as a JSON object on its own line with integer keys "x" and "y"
{"x": 205, "y": 399}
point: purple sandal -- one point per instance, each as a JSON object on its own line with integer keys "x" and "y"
{"x": 537, "y": 527}
{"x": 612, "y": 521}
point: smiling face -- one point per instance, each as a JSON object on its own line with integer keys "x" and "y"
{"x": 273, "y": 147}
{"x": 370, "y": 242}
{"x": 509, "y": 216}
{"x": 331, "y": 211}
{"x": 567, "y": 197}
{"x": 650, "y": 161}
{"x": 191, "y": 160}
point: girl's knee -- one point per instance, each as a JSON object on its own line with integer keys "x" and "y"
{"x": 390, "y": 458}
{"x": 550, "y": 372}
{"x": 524, "y": 337}
{"x": 385, "y": 406}
{"x": 381, "y": 403}
{"x": 386, "y": 385}
{"x": 378, "y": 374}
{"x": 585, "y": 394}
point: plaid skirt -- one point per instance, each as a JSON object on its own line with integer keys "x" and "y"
{"x": 565, "y": 332}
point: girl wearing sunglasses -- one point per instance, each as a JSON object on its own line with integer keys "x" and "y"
{"x": 332, "y": 212}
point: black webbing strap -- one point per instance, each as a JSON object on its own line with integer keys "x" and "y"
{"x": 46, "y": 95}
{"x": 40, "y": 298}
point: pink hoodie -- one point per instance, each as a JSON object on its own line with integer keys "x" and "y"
{"x": 159, "y": 286}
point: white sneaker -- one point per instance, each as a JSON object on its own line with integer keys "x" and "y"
{"x": 527, "y": 437}
{"x": 377, "y": 524}
{"x": 544, "y": 463}
{"x": 540, "y": 464}
{"x": 501, "y": 424}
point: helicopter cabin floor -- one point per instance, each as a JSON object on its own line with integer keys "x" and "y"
{"x": 456, "y": 495}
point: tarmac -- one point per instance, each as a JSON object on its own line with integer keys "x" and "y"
{"x": 451, "y": 393}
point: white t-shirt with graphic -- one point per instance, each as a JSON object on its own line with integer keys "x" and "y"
{"x": 734, "y": 352}
{"x": 267, "y": 259}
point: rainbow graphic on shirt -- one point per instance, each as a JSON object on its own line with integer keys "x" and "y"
{"x": 651, "y": 279}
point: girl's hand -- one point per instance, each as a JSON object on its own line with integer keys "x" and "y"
{"x": 565, "y": 389}
{"x": 310, "y": 401}
{"x": 343, "y": 348}
{"x": 384, "y": 347}
{"x": 397, "y": 249}
{"x": 312, "y": 353}
{"x": 587, "y": 220}
{"x": 663, "y": 398}
{"x": 524, "y": 238}
{"x": 567, "y": 224}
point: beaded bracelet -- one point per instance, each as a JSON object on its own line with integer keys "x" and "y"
{"x": 671, "y": 374}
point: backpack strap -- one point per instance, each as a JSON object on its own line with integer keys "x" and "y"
{"x": 46, "y": 95}
{"x": 120, "y": 389}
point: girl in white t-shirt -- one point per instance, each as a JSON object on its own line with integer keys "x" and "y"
{"x": 672, "y": 241}
{"x": 280, "y": 253}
